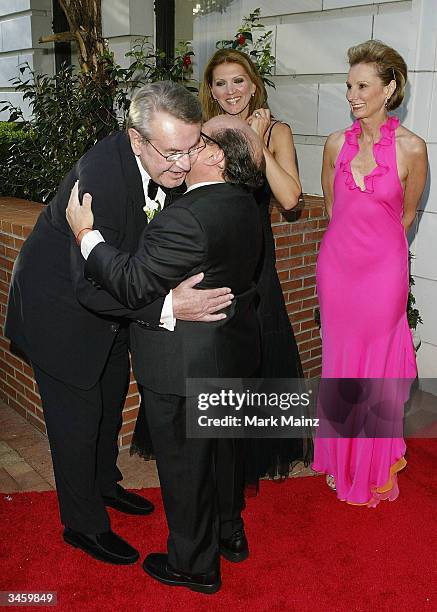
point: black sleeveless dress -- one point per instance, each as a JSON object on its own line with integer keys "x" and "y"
{"x": 273, "y": 457}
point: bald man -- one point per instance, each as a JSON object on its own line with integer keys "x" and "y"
{"x": 213, "y": 228}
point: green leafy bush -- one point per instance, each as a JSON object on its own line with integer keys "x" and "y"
{"x": 11, "y": 135}
{"x": 9, "y": 132}
{"x": 71, "y": 112}
{"x": 68, "y": 117}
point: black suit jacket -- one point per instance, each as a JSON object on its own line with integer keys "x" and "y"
{"x": 62, "y": 322}
{"x": 215, "y": 229}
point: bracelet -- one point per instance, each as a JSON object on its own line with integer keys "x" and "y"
{"x": 82, "y": 230}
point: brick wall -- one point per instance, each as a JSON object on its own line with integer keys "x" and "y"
{"x": 17, "y": 385}
{"x": 297, "y": 237}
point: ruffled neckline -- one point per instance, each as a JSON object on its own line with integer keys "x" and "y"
{"x": 387, "y": 132}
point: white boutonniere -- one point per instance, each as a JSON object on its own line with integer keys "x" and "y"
{"x": 151, "y": 209}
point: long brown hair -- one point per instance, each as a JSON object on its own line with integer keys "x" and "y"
{"x": 211, "y": 108}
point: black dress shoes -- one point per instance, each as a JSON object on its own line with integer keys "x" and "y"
{"x": 156, "y": 565}
{"x": 108, "y": 546}
{"x": 129, "y": 503}
{"x": 235, "y": 548}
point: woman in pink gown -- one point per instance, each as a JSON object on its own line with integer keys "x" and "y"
{"x": 373, "y": 176}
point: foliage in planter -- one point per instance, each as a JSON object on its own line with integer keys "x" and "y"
{"x": 413, "y": 315}
{"x": 9, "y": 134}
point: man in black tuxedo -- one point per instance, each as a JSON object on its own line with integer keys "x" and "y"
{"x": 214, "y": 228}
{"x": 76, "y": 335}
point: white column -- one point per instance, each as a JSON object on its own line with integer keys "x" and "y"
{"x": 124, "y": 22}
{"x": 22, "y": 22}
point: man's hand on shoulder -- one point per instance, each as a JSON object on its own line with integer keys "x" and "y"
{"x": 190, "y": 304}
{"x": 80, "y": 217}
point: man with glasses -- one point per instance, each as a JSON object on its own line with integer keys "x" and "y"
{"x": 76, "y": 335}
{"x": 215, "y": 227}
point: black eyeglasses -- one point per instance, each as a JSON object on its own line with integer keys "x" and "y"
{"x": 174, "y": 157}
{"x": 208, "y": 140}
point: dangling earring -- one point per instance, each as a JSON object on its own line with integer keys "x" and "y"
{"x": 386, "y": 102}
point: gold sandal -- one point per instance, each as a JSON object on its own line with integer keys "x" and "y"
{"x": 330, "y": 481}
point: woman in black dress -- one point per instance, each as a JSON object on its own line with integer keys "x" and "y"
{"x": 232, "y": 85}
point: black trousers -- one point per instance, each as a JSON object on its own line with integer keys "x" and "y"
{"x": 82, "y": 427}
{"x": 201, "y": 504}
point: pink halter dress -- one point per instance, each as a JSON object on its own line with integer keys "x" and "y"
{"x": 362, "y": 285}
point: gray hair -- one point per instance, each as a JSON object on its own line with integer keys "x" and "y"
{"x": 162, "y": 96}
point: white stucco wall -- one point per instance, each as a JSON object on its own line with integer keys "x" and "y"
{"x": 125, "y": 21}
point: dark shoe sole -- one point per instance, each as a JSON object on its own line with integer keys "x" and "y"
{"x": 127, "y": 510}
{"x": 199, "y": 588}
{"x": 234, "y": 557}
{"x": 114, "y": 561}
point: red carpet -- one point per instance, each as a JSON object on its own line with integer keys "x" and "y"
{"x": 309, "y": 552}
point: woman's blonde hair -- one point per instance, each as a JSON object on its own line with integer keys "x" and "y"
{"x": 389, "y": 65}
{"x": 211, "y": 108}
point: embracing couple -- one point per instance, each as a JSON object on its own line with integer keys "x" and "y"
{"x": 74, "y": 293}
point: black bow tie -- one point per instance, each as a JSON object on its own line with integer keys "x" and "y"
{"x": 152, "y": 189}
{"x": 170, "y": 193}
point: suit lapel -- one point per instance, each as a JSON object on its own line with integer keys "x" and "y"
{"x": 134, "y": 185}
{"x": 131, "y": 172}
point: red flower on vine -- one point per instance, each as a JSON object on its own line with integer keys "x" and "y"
{"x": 186, "y": 60}
{"x": 241, "y": 40}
